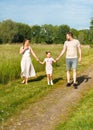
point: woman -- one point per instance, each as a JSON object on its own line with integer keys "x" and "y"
{"x": 27, "y": 69}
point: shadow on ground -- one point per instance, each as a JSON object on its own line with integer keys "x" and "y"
{"x": 38, "y": 78}
{"x": 57, "y": 79}
{"x": 83, "y": 78}
{"x": 80, "y": 79}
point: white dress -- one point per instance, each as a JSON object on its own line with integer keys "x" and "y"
{"x": 49, "y": 67}
{"x": 27, "y": 68}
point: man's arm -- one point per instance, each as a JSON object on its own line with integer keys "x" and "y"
{"x": 80, "y": 54}
{"x": 62, "y": 52}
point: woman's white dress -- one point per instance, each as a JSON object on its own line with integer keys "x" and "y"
{"x": 27, "y": 68}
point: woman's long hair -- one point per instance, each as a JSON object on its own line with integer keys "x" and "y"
{"x": 24, "y": 42}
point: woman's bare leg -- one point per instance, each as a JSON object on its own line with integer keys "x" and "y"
{"x": 26, "y": 81}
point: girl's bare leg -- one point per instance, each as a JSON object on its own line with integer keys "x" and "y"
{"x": 48, "y": 79}
{"x": 51, "y": 81}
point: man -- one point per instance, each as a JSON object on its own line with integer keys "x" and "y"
{"x": 72, "y": 48}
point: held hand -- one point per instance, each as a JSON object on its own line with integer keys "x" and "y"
{"x": 37, "y": 59}
{"x": 40, "y": 62}
{"x": 57, "y": 59}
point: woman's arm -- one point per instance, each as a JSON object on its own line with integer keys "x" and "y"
{"x": 23, "y": 49}
{"x": 32, "y": 52}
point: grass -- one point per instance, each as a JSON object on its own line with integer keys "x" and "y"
{"x": 10, "y": 60}
{"x": 10, "y": 63}
{"x": 82, "y": 118}
{"x": 14, "y": 96}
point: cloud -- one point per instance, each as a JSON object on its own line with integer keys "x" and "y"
{"x": 76, "y": 14}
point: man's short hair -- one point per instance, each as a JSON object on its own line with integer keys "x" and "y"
{"x": 70, "y": 33}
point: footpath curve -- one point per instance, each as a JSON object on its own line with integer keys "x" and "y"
{"x": 46, "y": 113}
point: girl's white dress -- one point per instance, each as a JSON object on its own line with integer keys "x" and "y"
{"x": 49, "y": 67}
{"x": 27, "y": 68}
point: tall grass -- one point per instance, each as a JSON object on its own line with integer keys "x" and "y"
{"x": 10, "y": 63}
{"x": 10, "y": 59}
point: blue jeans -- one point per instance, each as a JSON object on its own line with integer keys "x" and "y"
{"x": 71, "y": 63}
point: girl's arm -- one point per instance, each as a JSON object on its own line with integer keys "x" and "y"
{"x": 32, "y": 52}
{"x": 42, "y": 62}
{"x": 54, "y": 60}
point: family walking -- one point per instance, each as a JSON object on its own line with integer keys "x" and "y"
{"x": 71, "y": 47}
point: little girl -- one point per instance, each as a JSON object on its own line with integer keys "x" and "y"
{"x": 49, "y": 69}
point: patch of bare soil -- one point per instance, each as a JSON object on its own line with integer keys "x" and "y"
{"x": 46, "y": 113}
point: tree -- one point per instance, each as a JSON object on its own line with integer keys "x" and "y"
{"x": 75, "y": 32}
{"x": 35, "y": 33}
{"x": 48, "y": 32}
{"x": 8, "y": 30}
{"x": 61, "y": 33}
{"x": 12, "y": 32}
{"x": 91, "y": 32}
{"x": 23, "y": 32}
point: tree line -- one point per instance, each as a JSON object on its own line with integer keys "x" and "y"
{"x": 13, "y": 32}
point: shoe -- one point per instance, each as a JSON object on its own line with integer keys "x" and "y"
{"x": 68, "y": 84}
{"x": 51, "y": 82}
{"x": 26, "y": 83}
{"x": 75, "y": 85}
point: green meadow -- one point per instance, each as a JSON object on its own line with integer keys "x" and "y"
{"x": 15, "y": 96}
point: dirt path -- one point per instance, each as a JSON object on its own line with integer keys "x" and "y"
{"x": 45, "y": 114}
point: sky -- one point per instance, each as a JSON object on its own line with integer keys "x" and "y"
{"x": 74, "y": 13}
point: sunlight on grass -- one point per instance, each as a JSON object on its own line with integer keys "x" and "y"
{"x": 14, "y": 96}
{"x": 82, "y": 118}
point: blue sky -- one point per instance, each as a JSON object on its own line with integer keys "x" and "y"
{"x": 75, "y": 13}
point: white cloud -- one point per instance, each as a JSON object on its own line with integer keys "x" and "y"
{"x": 76, "y": 14}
